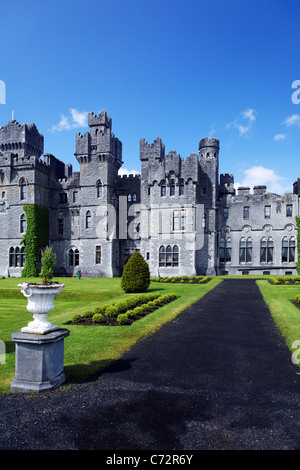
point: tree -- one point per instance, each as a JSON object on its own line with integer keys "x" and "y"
{"x": 136, "y": 274}
{"x": 48, "y": 263}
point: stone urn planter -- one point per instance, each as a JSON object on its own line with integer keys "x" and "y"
{"x": 40, "y": 303}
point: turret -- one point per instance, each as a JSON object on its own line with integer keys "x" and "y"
{"x": 21, "y": 140}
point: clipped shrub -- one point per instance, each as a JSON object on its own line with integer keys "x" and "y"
{"x": 191, "y": 282}
{"x": 87, "y": 314}
{"x": 99, "y": 310}
{"x": 130, "y": 313}
{"x": 98, "y": 318}
{"x": 136, "y": 274}
{"x": 76, "y": 318}
{"x": 111, "y": 311}
{"x": 122, "y": 319}
{"x": 151, "y": 305}
{"x": 121, "y": 305}
{"x": 138, "y": 311}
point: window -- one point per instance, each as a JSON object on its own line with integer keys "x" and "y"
{"x": 73, "y": 257}
{"x": 23, "y": 223}
{"x": 245, "y": 250}
{"x": 1, "y": 177}
{"x": 289, "y": 210}
{"x": 246, "y": 212}
{"x": 225, "y": 212}
{"x": 203, "y": 221}
{"x": 267, "y": 212}
{"x": 63, "y": 198}
{"x": 129, "y": 197}
{"x": 266, "y": 250}
{"x": 75, "y": 196}
{"x": 225, "y": 250}
{"x": 98, "y": 254}
{"x": 23, "y": 189}
{"x": 288, "y": 250}
{"x": 88, "y": 220}
{"x": 172, "y": 188}
{"x": 3, "y": 195}
{"x": 181, "y": 187}
{"x": 16, "y": 257}
{"x": 60, "y": 226}
{"x": 168, "y": 256}
{"x": 163, "y": 188}
{"x": 134, "y": 197}
{"x": 179, "y": 220}
{"x": 99, "y": 189}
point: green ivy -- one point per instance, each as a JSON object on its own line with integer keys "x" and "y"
{"x": 298, "y": 243}
{"x": 35, "y": 238}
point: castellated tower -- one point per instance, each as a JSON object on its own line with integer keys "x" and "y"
{"x": 99, "y": 152}
{"x": 208, "y": 197}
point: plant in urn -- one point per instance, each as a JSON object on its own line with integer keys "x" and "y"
{"x": 41, "y": 296}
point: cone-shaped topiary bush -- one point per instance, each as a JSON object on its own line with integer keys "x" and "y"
{"x": 136, "y": 275}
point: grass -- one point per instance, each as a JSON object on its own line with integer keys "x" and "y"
{"x": 88, "y": 348}
{"x": 286, "y": 315}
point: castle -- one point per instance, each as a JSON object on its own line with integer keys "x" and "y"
{"x": 182, "y": 216}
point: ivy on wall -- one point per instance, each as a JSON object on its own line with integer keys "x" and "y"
{"x": 35, "y": 238}
{"x": 298, "y": 243}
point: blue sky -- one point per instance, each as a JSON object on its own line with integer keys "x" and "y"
{"x": 178, "y": 70}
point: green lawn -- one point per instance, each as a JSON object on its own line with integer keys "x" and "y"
{"x": 286, "y": 315}
{"x": 88, "y": 348}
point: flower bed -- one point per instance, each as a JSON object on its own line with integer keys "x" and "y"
{"x": 123, "y": 312}
{"x": 285, "y": 280}
{"x": 182, "y": 279}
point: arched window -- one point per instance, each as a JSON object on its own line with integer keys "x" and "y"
{"x": 88, "y": 220}
{"x": 181, "y": 187}
{"x": 99, "y": 189}
{"x": 22, "y": 256}
{"x": 134, "y": 197}
{"x": 11, "y": 257}
{"x": 172, "y": 188}
{"x": 245, "y": 250}
{"x": 163, "y": 190}
{"x": 225, "y": 250}
{"x": 168, "y": 256}
{"x": 73, "y": 257}
{"x": 129, "y": 197}
{"x": 23, "y": 189}
{"x": 266, "y": 250}
{"x": 23, "y": 223}
{"x": 288, "y": 250}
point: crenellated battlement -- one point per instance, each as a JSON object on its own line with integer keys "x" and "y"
{"x": 101, "y": 120}
{"x": 23, "y": 139}
{"x": 155, "y": 150}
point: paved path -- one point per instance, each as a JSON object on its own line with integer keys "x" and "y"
{"x": 218, "y": 377}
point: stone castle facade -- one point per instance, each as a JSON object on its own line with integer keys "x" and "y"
{"x": 182, "y": 216}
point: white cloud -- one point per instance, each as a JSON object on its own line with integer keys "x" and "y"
{"x": 278, "y": 137}
{"x": 244, "y": 123}
{"x": 77, "y": 119}
{"x": 124, "y": 171}
{"x": 293, "y": 120}
{"x": 259, "y": 176}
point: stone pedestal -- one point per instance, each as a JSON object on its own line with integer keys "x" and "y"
{"x": 39, "y": 363}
